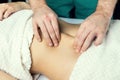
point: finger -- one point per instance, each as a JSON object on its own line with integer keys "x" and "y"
{"x": 80, "y": 31}
{"x": 76, "y": 46}
{"x": 99, "y": 38}
{"x": 8, "y": 13}
{"x": 35, "y": 30}
{"x": 3, "y": 9}
{"x": 81, "y": 38}
{"x": 2, "y": 13}
{"x": 45, "y": 33}
{"x": 75, "y": 43}
{"x": 1, "y": 16}
{"x": 54, "y": 23}
{"x": 51, "y": 32}
{"x": 88, "y": 42}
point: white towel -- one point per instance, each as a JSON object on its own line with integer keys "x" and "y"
{"x": 101, "y": 62}
{"x": 15, "y": 38}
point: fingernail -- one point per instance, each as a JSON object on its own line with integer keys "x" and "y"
{"x": 50, "y": 44}
{"x": 56, "y": 45}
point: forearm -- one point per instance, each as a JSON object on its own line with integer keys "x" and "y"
{"x": 106, "y": 7}
{"x": 24, "y": 5}
{"x": 5, "y": 76}
{"x": 37, "y": 3}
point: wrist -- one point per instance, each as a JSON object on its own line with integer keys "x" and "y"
{"x": 106, "y": 7}
{"x": 106, "y": 14}
{"x": 36, "y": 4}
{"x": 24, "y": 5}
{"x": 35, "y": 8}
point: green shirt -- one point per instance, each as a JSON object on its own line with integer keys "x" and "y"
{"x": 82, "y": 8}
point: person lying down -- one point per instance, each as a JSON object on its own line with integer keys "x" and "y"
{"x": 22, "y": 55}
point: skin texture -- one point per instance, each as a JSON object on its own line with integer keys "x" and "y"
{"x": 93, "y": 29}
{"x": 45, "y": 19}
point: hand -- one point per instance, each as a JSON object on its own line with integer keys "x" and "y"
{"x": 45, "y": 19}
{"x": 6, "y": 9}
{"x": 94, "y": 28}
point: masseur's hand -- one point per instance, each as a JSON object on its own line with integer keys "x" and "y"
{"x": 93, "y": 29}
{"x": 45, "y": 22}
{"x": 6, "y": 9}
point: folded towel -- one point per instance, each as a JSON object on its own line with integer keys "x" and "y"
{"x": 15, "y": 38}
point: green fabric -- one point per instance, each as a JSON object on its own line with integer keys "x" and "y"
{"x": 83, "y": 8}
{"x": 61, "y": 7}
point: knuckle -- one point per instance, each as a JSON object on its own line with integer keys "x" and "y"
{"x": 51, "y": 15}
{"x": 44, "y": 16}
{"x": 101, "y": 32}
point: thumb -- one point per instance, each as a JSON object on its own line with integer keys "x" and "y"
{"x": 36, "y": 31}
